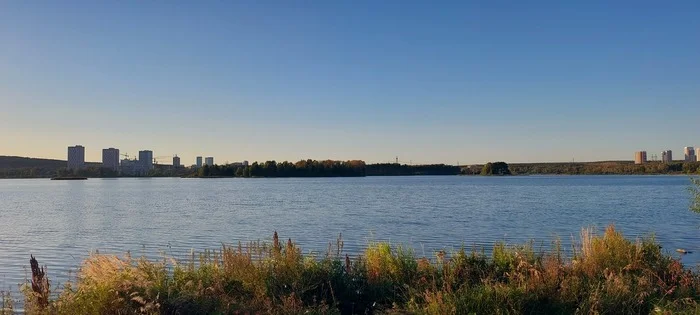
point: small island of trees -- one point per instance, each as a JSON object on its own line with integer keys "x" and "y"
{"x": 495, "y": 168}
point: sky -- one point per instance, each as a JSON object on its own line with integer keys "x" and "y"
{"x": 427, "y": 81}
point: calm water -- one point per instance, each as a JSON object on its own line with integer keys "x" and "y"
{"x": 60, "y": 222}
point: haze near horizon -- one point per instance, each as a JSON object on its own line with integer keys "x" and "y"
{"x": 440, "y": 82}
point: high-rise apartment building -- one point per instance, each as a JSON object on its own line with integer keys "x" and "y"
{"x": 666, "y": 156}
{"x": 176, "y": 161}
{"x": 209, "y": 161}
{"x": 689, "y": 154}
{"x": 146, "y": 159}
{"x": 199, "y": 162}
{"x": 76, "y": 157}
{"x": 640, "y": 157}
{"x": 110, "y": 158}
{"x": 697, "y": 154}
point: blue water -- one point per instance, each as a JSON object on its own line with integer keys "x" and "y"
{"x": 60, "y": 222}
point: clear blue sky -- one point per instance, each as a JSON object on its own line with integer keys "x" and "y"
{"x": 426, "y": 81}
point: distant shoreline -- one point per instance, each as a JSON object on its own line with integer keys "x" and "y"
{"x": 317, "y": 177}
{"x": 20, "y": 167}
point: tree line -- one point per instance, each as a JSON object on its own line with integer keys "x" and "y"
{"x": 394, "y": 169}
{"x": 303, "y": 168}
{"x": 329, "y": 168}
{"x": 594, "y": 168}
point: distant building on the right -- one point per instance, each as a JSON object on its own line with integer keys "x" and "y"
{"x": 697, "y": 154}
{"x": 176, "y": 161}
{"x": 640, "y": 157}
{"x": 209, "y": 161}
{"x": 689, "y": 154}
{"x": 666, "y": 156}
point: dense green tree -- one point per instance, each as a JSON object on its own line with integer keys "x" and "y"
{"x": 204, "y": 171}
{"x": 690, "y": 167}
{"x": 487, "y": 169}
{"x": 496, "y": 168}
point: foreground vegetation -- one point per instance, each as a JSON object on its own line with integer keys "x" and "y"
{"x": 604, "y": 274}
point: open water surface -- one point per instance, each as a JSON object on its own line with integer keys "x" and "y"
{"x": 61, "y": 222}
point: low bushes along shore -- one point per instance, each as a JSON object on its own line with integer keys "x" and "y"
{"x": 606, "y": 274}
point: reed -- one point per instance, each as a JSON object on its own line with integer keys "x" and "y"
{"x": 606, "y": 274}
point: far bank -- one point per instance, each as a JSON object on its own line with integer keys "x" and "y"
{"x": 17, "y": 167}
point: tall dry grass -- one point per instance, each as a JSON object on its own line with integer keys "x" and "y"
{"x": 607, "y": 274}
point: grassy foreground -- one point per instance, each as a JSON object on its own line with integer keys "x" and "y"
{"x": 606, "y": 274}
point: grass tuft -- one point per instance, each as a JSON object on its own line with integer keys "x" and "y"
{"x": 6, "y": 303}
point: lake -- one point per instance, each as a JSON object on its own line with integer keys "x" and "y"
{"x": 60, "y": 222}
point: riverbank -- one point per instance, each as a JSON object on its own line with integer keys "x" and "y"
{"x": 606, "y": 274}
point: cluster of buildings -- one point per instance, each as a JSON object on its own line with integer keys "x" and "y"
{"x": 690, "y": 155}
{"x": 210, "y": 161}
{"x": 111, "y": 159}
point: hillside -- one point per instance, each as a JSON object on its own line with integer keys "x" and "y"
{"x": 24, "y": 167}
{"x": 14, "y": 162}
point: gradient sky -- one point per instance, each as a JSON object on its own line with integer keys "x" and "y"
{"x": 463, "y": 81}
